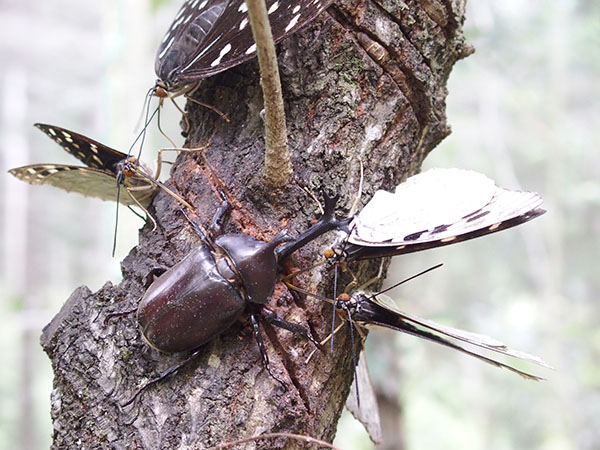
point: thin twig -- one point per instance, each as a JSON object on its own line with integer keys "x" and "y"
{"x": 278, "y": 166}
{"x": 299, "y": 437}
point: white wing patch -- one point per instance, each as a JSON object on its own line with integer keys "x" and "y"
{"x": 438, "y": 205}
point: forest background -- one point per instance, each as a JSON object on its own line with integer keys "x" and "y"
{"x": 524, "y": 110}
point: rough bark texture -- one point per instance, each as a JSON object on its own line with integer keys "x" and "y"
{"x": 366, "y": 81}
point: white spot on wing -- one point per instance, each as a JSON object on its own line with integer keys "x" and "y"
{"x": 223, "y": 52}
{"x": 296, "y": 9}
{"x": 251, "y": 49}
{"x": 243, "y": 23}
{"x": 292, "y": 23}
{"x": 164, "y": 51}
{"x": 243, "y": 8}
{"x": 273, "y": 8}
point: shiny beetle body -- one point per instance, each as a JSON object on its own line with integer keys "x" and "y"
{"x": 206, "y": 292}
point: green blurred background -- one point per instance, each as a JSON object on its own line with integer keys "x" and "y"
{"x": 524, "y": 110}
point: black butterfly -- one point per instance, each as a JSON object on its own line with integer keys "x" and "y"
{"x": 380, "y": 310}
{"x": 209, "y": 36}
{"x": 437, "y": 208}
{"x": 106, "y": 168}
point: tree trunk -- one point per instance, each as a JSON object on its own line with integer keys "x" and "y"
{"x": 365, "y": 82}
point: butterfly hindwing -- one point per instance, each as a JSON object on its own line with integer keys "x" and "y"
{"x": 209, "y": 36}
{"x": 436, "y": 208}
{"x": 86, "y": 181}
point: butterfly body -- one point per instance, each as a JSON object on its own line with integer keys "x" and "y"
{"x": 105, "y": 168}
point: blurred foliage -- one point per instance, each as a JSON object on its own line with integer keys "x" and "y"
{"x": 524, "y": 110}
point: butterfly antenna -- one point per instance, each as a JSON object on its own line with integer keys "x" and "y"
{"x": 119, "y": 180}
{"x": 335, "y": 280}
{"x": 406, "y": 280}
{"x": 333, "y": 313}
{"x": 353, "y": 350}
{"x": 147, "y": 98}
{"x": 145, "y": 129}
{"x": 142, "y": 133}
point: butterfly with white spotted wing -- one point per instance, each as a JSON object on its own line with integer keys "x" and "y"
{"x": 106, "y": 170}
{"x": 436, "y": 208}
{"x": 210, "y": 36}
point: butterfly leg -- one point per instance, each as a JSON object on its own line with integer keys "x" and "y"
{"x": 189, "y": 97}
{"x": 130, "y": 191}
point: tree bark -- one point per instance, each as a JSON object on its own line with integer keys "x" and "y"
{"x": 365, "y": 82}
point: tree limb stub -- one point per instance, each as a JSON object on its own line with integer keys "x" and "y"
{"x": 344, "y": 106}
{"x": 278, "y": 166}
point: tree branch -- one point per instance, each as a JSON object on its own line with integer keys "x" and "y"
{"x": 278, "y": 166}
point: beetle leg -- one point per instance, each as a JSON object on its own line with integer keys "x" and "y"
{"x": 153, "y": 275}
{"x": 326, "y": 223}
{"x": 200, "y": 231}
{"x": 272, "y": 318}
{"x": 261, "y": 347}
{"x": 216, "y": 226}
{"x": 171, "y": 370}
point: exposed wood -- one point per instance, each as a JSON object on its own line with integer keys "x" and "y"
{"x": 346, "y": 104}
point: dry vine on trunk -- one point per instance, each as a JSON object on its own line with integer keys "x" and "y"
{"x": 364, "y": 82}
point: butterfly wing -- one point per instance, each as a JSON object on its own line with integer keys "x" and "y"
{"x": 436, "y": 208}
{"x": 82, "y": 180}
{"x": 375, "y": 311}
{"x": 477, "y": 339}
{"x": 210, "y": 36}
{"x": 92, "y": 153}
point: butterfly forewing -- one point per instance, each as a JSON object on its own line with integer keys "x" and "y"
{"x": 436, "y": 208}
{"x": 91, "y": 153}
{"x": 210, "y": 36}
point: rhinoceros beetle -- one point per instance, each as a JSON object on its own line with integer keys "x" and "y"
{"x": 210, "y": 288}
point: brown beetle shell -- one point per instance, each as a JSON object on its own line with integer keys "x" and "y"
{"x": 188, "y": 305}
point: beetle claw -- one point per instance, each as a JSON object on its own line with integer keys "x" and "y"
{"x": 327, "y": 222}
